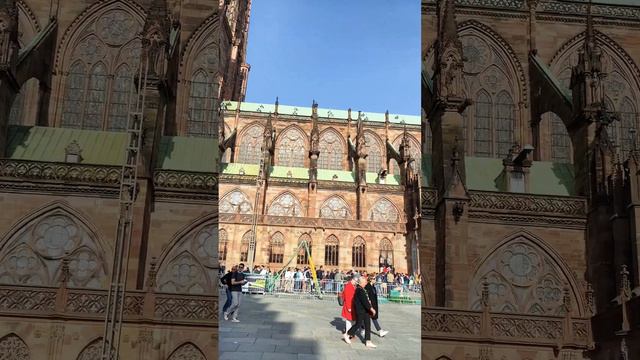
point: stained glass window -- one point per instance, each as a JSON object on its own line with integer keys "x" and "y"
{"x": 276, "y": 248}
{"x": 482, "y": 131}
{"x": 627, "y": 123}
{"x": 386, "y": 252}
{"x": 331, "y": 251}
{"x": 119, "y": 109}
{"x": 560, "y": 140}
{"x": 331, "y": 150}
{"x": 374, "y": 151}
{"x": 504, "y": 124}
{"x": 285, "y": 205}
{"x": 291, "y": 149}
{"x": 201, "y": 106}
{"x": 235, "y": 202}
{"x": 358, "y": 255}
{"x": 383, "y": 211}
{"x": 250, "y": 145}
{"x": 223, "y": 241}
{"x": 74, "y": 95}
{"x": 335, "y": 208}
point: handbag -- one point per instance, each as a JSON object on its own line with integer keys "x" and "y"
{"x": 340, "y": 299}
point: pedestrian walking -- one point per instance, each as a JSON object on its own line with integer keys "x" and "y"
{"x": 347, "y": 306}
{"x": 373, "y": 298}
{"x": 237, "y": 280}
{"x": 363, "y": 311}
{"x": 226, "y": 282}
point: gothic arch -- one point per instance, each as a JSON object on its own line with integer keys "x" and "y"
{"x": 13, "y": 347}
{"x": 292, "y": 147}
{"x": 415, "y": 152}
{"x": 332, "y": 155}
{"x": 43, "y": 238}
{"x": 335, "y": 207}
{"x": 235, "y": 201}
{"x": 201, "y": 68}
{"x": 384, "y": 210}
{"x": 189, "y": 264}
{"x": 92, "y": 351}
{"x": 90, "y": 95}
{"x": 506, "y": 52}
{"x": 622, "y": 84}
{"x": 285, "y": 204}
{"x": 187, "y": 351}
{"x": 525, "y": 275}
{"x": 248, "y": 149}
{"x": 375, "y": 159}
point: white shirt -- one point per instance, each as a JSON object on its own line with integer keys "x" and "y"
{"x": 288, "y": 275}
{"x": 263, "y": 272}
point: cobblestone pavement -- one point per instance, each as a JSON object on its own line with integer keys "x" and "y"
{"x": 284, "y": 328}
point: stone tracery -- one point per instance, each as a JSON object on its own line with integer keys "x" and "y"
{"x": 190, "y": 266}
{"x": 33, "y": 256}
{"x": 285, "y": 204}
{"x": 521, "y": 278}
{"x": 291, "y": 148}
{"x": 187, "y": 351}
{"x": 383, "y": 210}
{"x": 235, "y": 202}
{"x": 335, "y": 208}
{"x": 249, "y": 148}
{"x": 13, "y": 348}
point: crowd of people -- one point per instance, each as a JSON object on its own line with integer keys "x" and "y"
{"x": 300, "y": 279}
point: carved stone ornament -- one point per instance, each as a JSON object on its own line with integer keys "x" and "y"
{"x": 457, "y": 210}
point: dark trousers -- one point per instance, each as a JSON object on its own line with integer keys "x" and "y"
{"x": 360, "y": 322}
{"x": 228, "y": 302}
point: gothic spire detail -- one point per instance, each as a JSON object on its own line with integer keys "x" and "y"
{"x": 155, "y": 39}
{"x": 456, "y": 187}
{"x": 8, "y": 34}
{"x": 449, "y": 64}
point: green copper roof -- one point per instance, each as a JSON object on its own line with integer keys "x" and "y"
{"x": 237, "y": 169}
{"x": 340, "y": 175}
{"x": 188, "y": 154}
{"x": 322, "y": 113}
{"x": 486, "y": 174}
{"x": 48, "y": 144}
{"x": 289, "y": 172}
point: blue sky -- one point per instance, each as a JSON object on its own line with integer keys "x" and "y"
{"x": 359, "y": 54}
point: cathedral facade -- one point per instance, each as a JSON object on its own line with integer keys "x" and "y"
{"x": 529, "y": 233}
{"x": 109, "y": 180}
{"x": 343, "y": 182}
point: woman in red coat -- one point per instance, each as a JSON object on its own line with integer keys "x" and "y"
{"x": 347, "y": 307}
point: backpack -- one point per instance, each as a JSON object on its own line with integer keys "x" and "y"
{"x": 341, "y": 298}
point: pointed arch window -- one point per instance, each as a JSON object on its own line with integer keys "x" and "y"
{"x": 335, "y": 208}
{"x": 250, "y": 145}
{"x": 331, "y": 151}
{"x": 628, "y": 122}
{"x": 303, "y": 258}
{"x": 560, "y": 140}
{"x": 13, "y": 347}
{"x": 386, "y": 253}
{"x": 482, "y": 130}
{"x": 202, "y": 105}
{"x": 98, "y": 81}
{"x": 384, "y": 211}
{"x": 504, "y": 124}
{"x": 235, "y": 202}
{"x": 285, "y": 205}
{"x": 244, "y": 245}
{"x": 291, "y": 149}
{"x": 122, "y": 86}
{"x": 358, "y": 255}
{"x": 276, "y": 248}
{"x": 223, "y": 243}
{"x": 332, "y": 251}
{"x": 374, "y": 153}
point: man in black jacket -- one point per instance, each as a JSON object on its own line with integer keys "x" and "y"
{"x": 226, "y": 282}
{"x": 364, "y": 311}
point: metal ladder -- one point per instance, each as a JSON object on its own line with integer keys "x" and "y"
{"x": 127, "y": 198}
{"x": 254, "y": 222}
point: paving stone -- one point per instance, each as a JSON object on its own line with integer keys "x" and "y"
{"x": 308, "y": 329}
